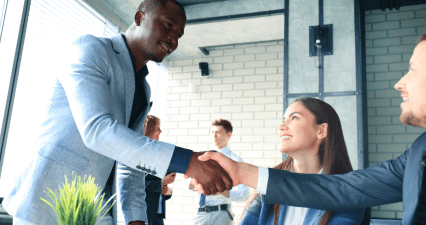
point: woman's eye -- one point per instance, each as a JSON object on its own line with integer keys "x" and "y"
{"x": 294, "y": 118}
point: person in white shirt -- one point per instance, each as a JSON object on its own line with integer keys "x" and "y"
{"x": 216, "y": 209}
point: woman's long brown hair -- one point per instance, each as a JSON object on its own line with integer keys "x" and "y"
{"x": 333, "y": 153}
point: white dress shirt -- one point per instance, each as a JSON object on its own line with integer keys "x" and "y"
{"x": 296, "y": 215}
{"x": 262, "y": 180}
{"x": 242, "y": 193}
{"x": 293, "y": 215}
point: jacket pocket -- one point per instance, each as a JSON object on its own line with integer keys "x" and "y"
{"x": 65, "y": 156}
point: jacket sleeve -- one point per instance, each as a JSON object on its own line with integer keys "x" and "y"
{"x": 252, "y": 213}
{"x": 167, "y": 197}
{"x": 131, "y": 193}
{"x": 375, "y": 185}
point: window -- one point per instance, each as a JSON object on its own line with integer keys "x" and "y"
{"x": 3, "y": 4}
{"x": 52, "y": 24}
{"x": 157, "y": 78}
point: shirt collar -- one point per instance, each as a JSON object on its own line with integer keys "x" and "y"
{"x": 144, "y": 71}
{"x": 224, "y": 150}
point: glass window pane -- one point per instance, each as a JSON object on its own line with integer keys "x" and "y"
{"x": 3, "y": 4}
{"x": 157, "y": 75}
{"x": 52, "y": 25}
{"x": 4, "y": 80}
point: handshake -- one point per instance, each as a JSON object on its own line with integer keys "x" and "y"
{"x": 212, "y": 172}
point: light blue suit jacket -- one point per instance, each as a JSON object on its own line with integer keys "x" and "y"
{"x": 84, "y": 129}
{"x": 392, "y": 181}
{"x": 259, "y": 213}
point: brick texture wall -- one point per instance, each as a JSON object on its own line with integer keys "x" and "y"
{"x": 390, "y": 41}
{"x": 245, "y": 87}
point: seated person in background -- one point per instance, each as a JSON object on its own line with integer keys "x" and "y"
{"x": 157, "y": 191}
{"x": 312, "y": 138}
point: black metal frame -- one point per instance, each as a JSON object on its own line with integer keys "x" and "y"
{"x": 237, "y": 16}
{"x": 13, "y": 81}
{"x": 285, "y": 80}
{"x": 361, "y": 87}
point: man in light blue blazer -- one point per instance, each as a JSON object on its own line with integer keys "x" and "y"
{"x": 92, "y": 121}
{"x": 392, "y": 181}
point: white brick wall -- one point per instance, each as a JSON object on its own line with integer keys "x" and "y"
{"x": 390, "y": 41}
{"x": 244, "y": 87}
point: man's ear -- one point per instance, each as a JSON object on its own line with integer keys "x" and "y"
{"x": 138, "y": 17}
{"x": 229, "y": 134}
{"x": 322, "y": 132}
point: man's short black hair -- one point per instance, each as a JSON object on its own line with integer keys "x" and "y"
{"x": 151, "y": 5}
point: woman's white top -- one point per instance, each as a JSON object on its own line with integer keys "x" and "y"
{"x": 296, "y": 215}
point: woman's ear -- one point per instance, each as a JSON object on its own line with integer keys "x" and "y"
{"x": 322, "y": 131}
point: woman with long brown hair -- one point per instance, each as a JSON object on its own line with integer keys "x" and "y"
{"x": 311, "y": 136}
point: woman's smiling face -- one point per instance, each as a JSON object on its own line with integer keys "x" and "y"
{"x": 299, "y": 131}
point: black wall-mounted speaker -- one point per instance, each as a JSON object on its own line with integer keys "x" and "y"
{"x": 204, "y": 67}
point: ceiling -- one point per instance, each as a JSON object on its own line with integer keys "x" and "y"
{"x": 210, "y": 22}
{"x": 223, "y": 22}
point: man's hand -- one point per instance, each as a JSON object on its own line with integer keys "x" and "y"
{"x": 208, "y": 174}
{"x": 229, "y": 165}
{"x": 240, "y": 172}
{"x": 192, "y": 184}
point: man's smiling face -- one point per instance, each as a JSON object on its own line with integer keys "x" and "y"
{"x": 159, "y": 31}
{"x": 413, "y": 89}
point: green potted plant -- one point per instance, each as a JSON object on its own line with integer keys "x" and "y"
{"x": 79, "y": 202}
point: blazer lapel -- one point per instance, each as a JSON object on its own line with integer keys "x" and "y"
{"x": 119, "y": 46}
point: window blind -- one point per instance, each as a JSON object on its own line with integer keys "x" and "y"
{"x": 52, "y": 25}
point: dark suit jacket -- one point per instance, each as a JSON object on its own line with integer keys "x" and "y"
{"x": 153, "y": 186}
{"x": 392, "y": 181}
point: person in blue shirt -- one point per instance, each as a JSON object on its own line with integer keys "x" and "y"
{"x": 311, "y": 136}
